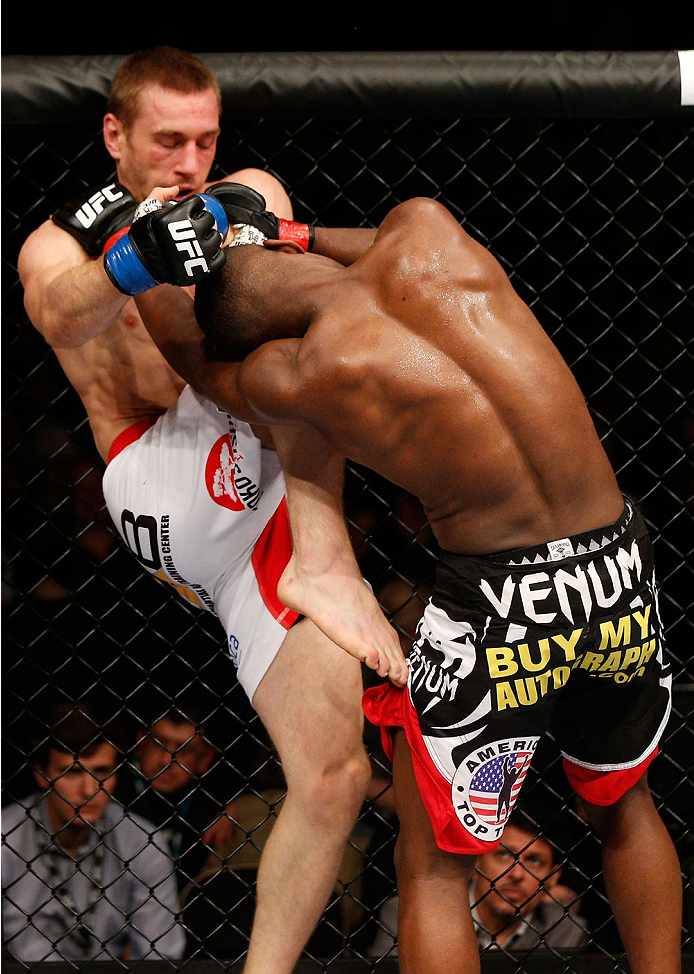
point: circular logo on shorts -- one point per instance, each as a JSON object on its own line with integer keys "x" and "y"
{"x": 220, "y": 472}
{"x": 487, "y": 782}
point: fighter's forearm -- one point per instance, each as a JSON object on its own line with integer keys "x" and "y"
{"x": 75, "y": 306}
{"x": 343, "y": 245}
{"x": 168, "y": 315}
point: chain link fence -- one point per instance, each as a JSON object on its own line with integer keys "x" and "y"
{"x": 592, "y": 218}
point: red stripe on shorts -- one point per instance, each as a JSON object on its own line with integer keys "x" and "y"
{"x": 129, "y": 436}
{"x": 388, "y": 706}
{"x": 604, "y": 787}
{"x": 270, "y": 557}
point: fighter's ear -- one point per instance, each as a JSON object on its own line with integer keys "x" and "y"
{"x": 113, "y": 133}
{"x": 284, "y": 246}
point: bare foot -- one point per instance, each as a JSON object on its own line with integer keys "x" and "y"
{"x": 344, "y": 608}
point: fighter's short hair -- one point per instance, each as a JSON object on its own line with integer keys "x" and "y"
{"x": 169, "y": 67}
{"x": 226, "y": 309}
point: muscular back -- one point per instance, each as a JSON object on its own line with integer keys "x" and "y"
{"x": 422, "y": 363}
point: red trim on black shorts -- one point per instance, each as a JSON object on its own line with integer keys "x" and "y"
{"x": 270, "y": 557}
{"x": 129, "y": 436}
{"x": 389, "y": 707}
{"x": 604, "y": 787}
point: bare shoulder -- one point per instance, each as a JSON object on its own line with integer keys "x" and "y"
{"x": 420, "y": 240}
{"x": 47, "y": 251}
{"x": 421, "y": 211}
{"x": 268, "y": 186}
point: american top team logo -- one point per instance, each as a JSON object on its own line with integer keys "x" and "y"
{"x": 487, "y": 782}
{"x": 220, "y": 473}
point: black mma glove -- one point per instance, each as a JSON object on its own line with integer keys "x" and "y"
{"x": 94, "y": 215}
{"x": 244, "y": 206}
{"x": 176, "y": 243}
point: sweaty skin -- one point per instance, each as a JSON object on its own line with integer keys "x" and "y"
{"x": 419, "y": 360}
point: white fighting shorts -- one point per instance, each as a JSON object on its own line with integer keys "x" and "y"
{"x": 202, "y": 506}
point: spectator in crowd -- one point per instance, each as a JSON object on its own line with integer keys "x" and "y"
{"x": 516, "y": 899}
{"x": 171, "y": 785}
{"x": 81, "y": 880}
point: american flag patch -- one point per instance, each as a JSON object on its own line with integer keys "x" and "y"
{"x": 487, "y": 782}
{"x": 494, "y": 788}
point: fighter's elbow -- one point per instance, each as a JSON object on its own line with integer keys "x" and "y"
{"x": 57, "y": 330}
{"x": 266, "y": 380}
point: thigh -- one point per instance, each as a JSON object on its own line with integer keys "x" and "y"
{"x": 417, "y": 849}
{"x": 310, "y": 701}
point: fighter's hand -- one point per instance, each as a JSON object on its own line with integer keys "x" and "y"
{"x": 168, "y": 243}
{"x": 245, "y": 207}
{"x": 94, "y": 215}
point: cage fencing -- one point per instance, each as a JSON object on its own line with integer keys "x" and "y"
{"x": 576, "y": 172}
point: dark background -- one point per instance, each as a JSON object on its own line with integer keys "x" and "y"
{"x": 380, "y": 27}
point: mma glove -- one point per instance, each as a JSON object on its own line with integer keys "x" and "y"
{"x": 246, "y": 207}
{"x": 173, "y": 243}
{"x": 93, "y": 216}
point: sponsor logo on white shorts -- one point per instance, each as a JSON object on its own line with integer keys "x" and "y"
{"x": 226, "y": 483}
{"x": 234, "y": 650}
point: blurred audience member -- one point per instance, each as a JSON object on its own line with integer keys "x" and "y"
{"x": 81, "y": 880}
{"x": 516, "y": 899}
{"x": 172, "y": 785}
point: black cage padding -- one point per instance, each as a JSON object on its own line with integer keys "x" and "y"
{"x": 470, "y": 84}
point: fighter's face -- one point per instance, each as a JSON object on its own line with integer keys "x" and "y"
{"x": 172, "y": 141}
{"x": 512, "y": 876}
{"x": 79, "y": 788}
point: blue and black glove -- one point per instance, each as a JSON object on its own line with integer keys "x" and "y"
{"x": 173, "y": 243}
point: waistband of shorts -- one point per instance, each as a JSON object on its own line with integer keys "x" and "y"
{"x": 584, "y": 543}
{"x": 129, "y": 436}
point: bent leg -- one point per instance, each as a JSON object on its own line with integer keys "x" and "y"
{"x": 310, "y": 703}
{"x": 435, "y": 929}
{"x": 642, "y": 878}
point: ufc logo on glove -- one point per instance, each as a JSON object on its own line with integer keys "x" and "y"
{"x": 90, "y": 210}
{"x": 186, "y": 241}
{"x": 151, "y": 253}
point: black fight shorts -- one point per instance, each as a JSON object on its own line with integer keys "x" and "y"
{"x": 563, "y": 636}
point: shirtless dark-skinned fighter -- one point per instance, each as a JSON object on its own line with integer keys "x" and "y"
{"x": 407, "y": 350}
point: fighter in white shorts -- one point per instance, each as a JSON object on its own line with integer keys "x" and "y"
{"x": 201, "y": 503}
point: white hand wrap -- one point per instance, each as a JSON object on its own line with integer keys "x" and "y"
{"x": 247, "y": 235}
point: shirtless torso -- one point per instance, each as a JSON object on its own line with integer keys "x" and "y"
{"x": 103, "y": 347}
{"x": 421, "y": 362}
